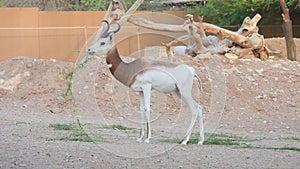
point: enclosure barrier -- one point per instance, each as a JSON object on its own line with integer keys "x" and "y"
{"x": 61, "y": 35}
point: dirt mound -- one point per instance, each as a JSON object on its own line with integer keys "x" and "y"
{"x": 34, "y": 83}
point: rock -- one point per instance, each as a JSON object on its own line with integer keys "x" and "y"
{"x": 291, "y": 104}
{"x": 273, "y": 96}
{"x": 53, "y": 60}
{"x": 60, "y": 98}
{"x": 249, "y": 70}
{"x": 26, "y": 74}
{"x": 271, "y": 57}
{"x": 11, "y": 83}
{"x": 250, "y": 78}
{"x": 109, "y": 89}
{"x": 234, "y": 69}
{"x": 260, "y": 71}
{"x": 259, "y": 97}
{"x": 29, "y": 65}
{"x": 231, "y": 56}
{"x": 280, "y": 66}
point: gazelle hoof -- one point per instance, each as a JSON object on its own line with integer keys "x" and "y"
{"x": 183, "y": 143}
{"x": 147, "y": 141}
{"x": 201, "y": 141}
{"x": 139, "y": 140}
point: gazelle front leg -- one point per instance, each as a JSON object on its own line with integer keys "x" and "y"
{"x": 142, "y": 111}
{"x": 147, "y": 97}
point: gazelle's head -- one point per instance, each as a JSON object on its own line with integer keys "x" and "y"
{"x": 106, "y": 41}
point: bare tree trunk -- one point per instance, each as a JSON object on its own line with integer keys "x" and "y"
{"x": 288, "y": 32}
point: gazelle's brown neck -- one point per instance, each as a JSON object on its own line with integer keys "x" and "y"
{"x": 123, "y": 72}
{"x": 113, "y": 59}
{"x": 119, "y": 69}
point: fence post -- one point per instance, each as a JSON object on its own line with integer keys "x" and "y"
{"x": 138, "y": 39}
{"x": 86, "y": 38}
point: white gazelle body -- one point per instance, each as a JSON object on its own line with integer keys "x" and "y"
{"x": 143, "y": 75}
{"x": 164, "y": 79}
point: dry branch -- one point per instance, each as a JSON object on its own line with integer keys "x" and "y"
{"x": 198, "y": 48}
{"x": 138, "y": 21}
{"x": 249, "y": 25}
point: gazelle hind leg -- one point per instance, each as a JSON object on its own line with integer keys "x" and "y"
{"x": 142, "y": 111}
{"x": 201, "y": 128}
{"x": 190, "y": 129}
{"x": 193, "y": 108}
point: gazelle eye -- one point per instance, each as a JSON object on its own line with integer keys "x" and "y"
{"x": 102, "y": 43}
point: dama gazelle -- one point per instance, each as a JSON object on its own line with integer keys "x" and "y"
{"x": 143, "y": 75}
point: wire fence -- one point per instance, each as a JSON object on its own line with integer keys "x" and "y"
{"x": 66, "y": 43}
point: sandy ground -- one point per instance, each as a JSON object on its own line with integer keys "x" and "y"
{"x": 252, "y": 99}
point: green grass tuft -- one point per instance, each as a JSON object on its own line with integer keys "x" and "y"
{"x": 292, "y": 138}
{"x": 77, "y": 132}
{"x": 212, "y": 139}
{"x": 269, "y": 148}
{"x": 223, "y": 139}
{"x": 288, "y": 148}
{"x": 117, "y": 127}
{"x": 76, "y": 136}
{"x": 59, "y": 126}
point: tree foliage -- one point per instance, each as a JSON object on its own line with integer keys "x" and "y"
{"x": 95, "y": 5}
{"x": 232, "y": 12}
{"x": 90, "y": 5}
{"x": 2, "y": 4}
